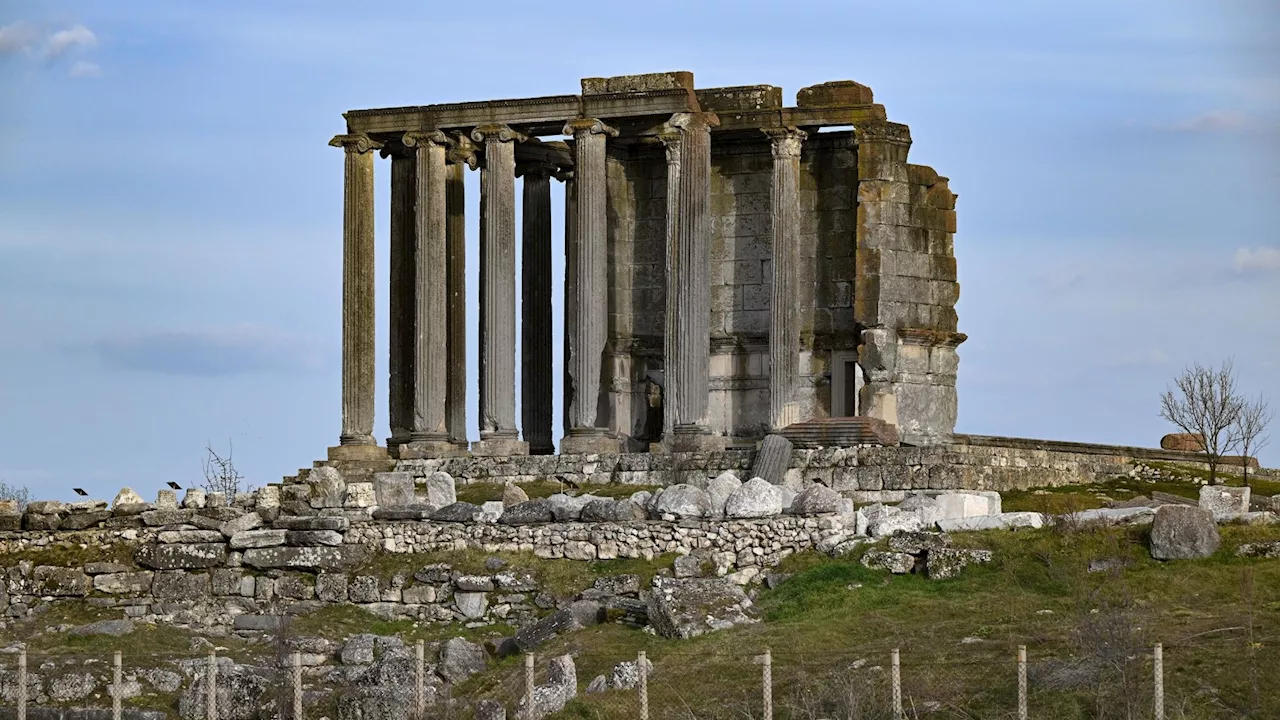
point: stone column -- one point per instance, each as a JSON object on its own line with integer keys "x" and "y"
{"x": 498, "y": 435}
{"x": 784, "y": 326}
{"x": 358, "y": 363}
{"x": 687, "y": 346}
{"x": 535, "y": 309}
{"x": 461, "y": 157}
{"x": 400, "y": 302}
{"x": 570, "y": 295}
{"x": 428, "y": 434}
{"x": 586, "y": 344}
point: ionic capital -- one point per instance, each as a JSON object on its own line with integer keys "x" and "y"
{"x": 535, "y": 168}
{"x": 356, "y": 142}
{"x": 787, "y": 141}
{"x": 498, "y": 133}
{"x": 591, "y": 126}
{"x": 687, "y": 121}
{"x": 462, "y": 150}
{"x": 564, "y": 174}
{"x": 415, "y": 138}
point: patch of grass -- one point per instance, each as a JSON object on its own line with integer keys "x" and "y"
{"x": 481, "y": 492}
{"x": 69, "y": 554}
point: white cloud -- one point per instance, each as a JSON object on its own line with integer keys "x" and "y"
{"x": 1257, "y": 260}
{"x": 16, "y": 37}
{"x": 84, "y": 69}
{"x": 64, "y": 40}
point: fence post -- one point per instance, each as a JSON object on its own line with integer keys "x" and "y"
{"x": 22, "y": 684}
{"x": 420, "y": 681}
{"x": 767, "y": 682}
{"x": 116, "y": 679}
{"x": 528, "y": 680}
{"x": 1159, "y": 672}
{"x": 211, "y": 687}
{"x": 895, "y": 677}
{"x": 642, "y": 664}
{"x": 1022, "y": 682}
{"x": 297, "y": 686}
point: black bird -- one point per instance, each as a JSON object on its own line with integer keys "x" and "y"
{"x": 174, "y": 485}
{"x": 81, "y": 492}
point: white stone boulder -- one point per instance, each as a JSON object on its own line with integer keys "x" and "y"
{"x": 962, "y": 505}
{"x": 720, "y": 488}
{"x": 127, "y": 496}
{"x": 683, "y": 501}
{"x": 1222, "y": 500}
{"x": 491, "y": 511}
{"x": 440, "y": 489}
{"x": 816, "y": 500}
{"x": 1003, "y": 521}
{"x": 757, "y": 498}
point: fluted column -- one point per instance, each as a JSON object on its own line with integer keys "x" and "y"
{"x": 400, "y": 302}
{"x": 461, "y": 156}
{"x": 784, "y": 327}
{"x": 586, "y": 344}
{"x": 498, "y": 435}
{"x": 688, "y": 343}
{"x": 570, "y": 295}
{"x": 358, "y": 279}
{"x": 535, "y": 309}
{"x": 428, "y": 434}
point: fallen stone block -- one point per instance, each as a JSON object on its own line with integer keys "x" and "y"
{"x": 773, "y": 459}
{"x": 530, "y": 637}
{"x": 756, "y": 498}
{"x": 1260, "y": 549}
{"x": 682, "y": 502}
{"x": 458, "y": 512}
{"x": 962, "y": 505}
{"x": 898, "y": 563}
{"x": 944, "y": 562}
{"x": 685, "y": 608}
{"x": 1222, "y": 500}
{"x": 1180, "y": 532}
{"x": 816, "y": 500}
{"x": 526, "y": 513}
{"x": 1003, "y": 521}
{"x": 393, "y": 489}
{"x": 440, "y": 489}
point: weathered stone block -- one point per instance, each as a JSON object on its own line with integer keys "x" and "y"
{"x": 307, "y": 558}
{"x": 60, "y": 582}
{"x": 246, "y": 539}
{"x": 180, "y": 586}
{"x": 394, "y": 489}
{"x": 838, "y": 93}
{"x": 186, "y": 556}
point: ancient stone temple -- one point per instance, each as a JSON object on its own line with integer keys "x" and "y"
{"x": 733, "y": 267}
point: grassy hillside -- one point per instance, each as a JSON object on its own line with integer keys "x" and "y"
{"x": 830, "y": 628}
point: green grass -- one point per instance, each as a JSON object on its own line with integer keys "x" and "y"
{"x": 70, "y": 554}
{"x": 481, "y": 492}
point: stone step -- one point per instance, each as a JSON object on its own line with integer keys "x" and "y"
{"x": 840, "y": 432}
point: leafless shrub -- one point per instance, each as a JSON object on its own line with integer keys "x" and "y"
{"x": 17, "y": 493}
{"x": 220, "y": 474}
{"x": 1205, "y": 403}
{"x": 1250, "y": 427}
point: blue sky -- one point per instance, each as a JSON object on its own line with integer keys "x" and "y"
{"x": 170, "y": 211}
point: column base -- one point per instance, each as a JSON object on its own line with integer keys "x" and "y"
{"x": 693, "y": 438}
{"x": 498, "y": 446}
{"x": 357, "y": 452}
{"x": 588, "y": 441}
{"x": 429, "y": 450}
{"x": 542, "y": 449}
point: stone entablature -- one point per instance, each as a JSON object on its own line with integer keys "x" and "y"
{"x": 730, "y": 270}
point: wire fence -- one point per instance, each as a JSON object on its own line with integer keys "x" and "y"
{"x": 791, "y": 683}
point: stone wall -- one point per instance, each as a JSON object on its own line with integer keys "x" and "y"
{"x": 969, "y": 462}
{"x": 203, "y": 579}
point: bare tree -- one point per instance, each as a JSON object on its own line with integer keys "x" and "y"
{"x": 17, "y": 493}
{"x": 1205, "y": 403}
{"x": 220, "y": 474}
{"x": 1249, "y": 429}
